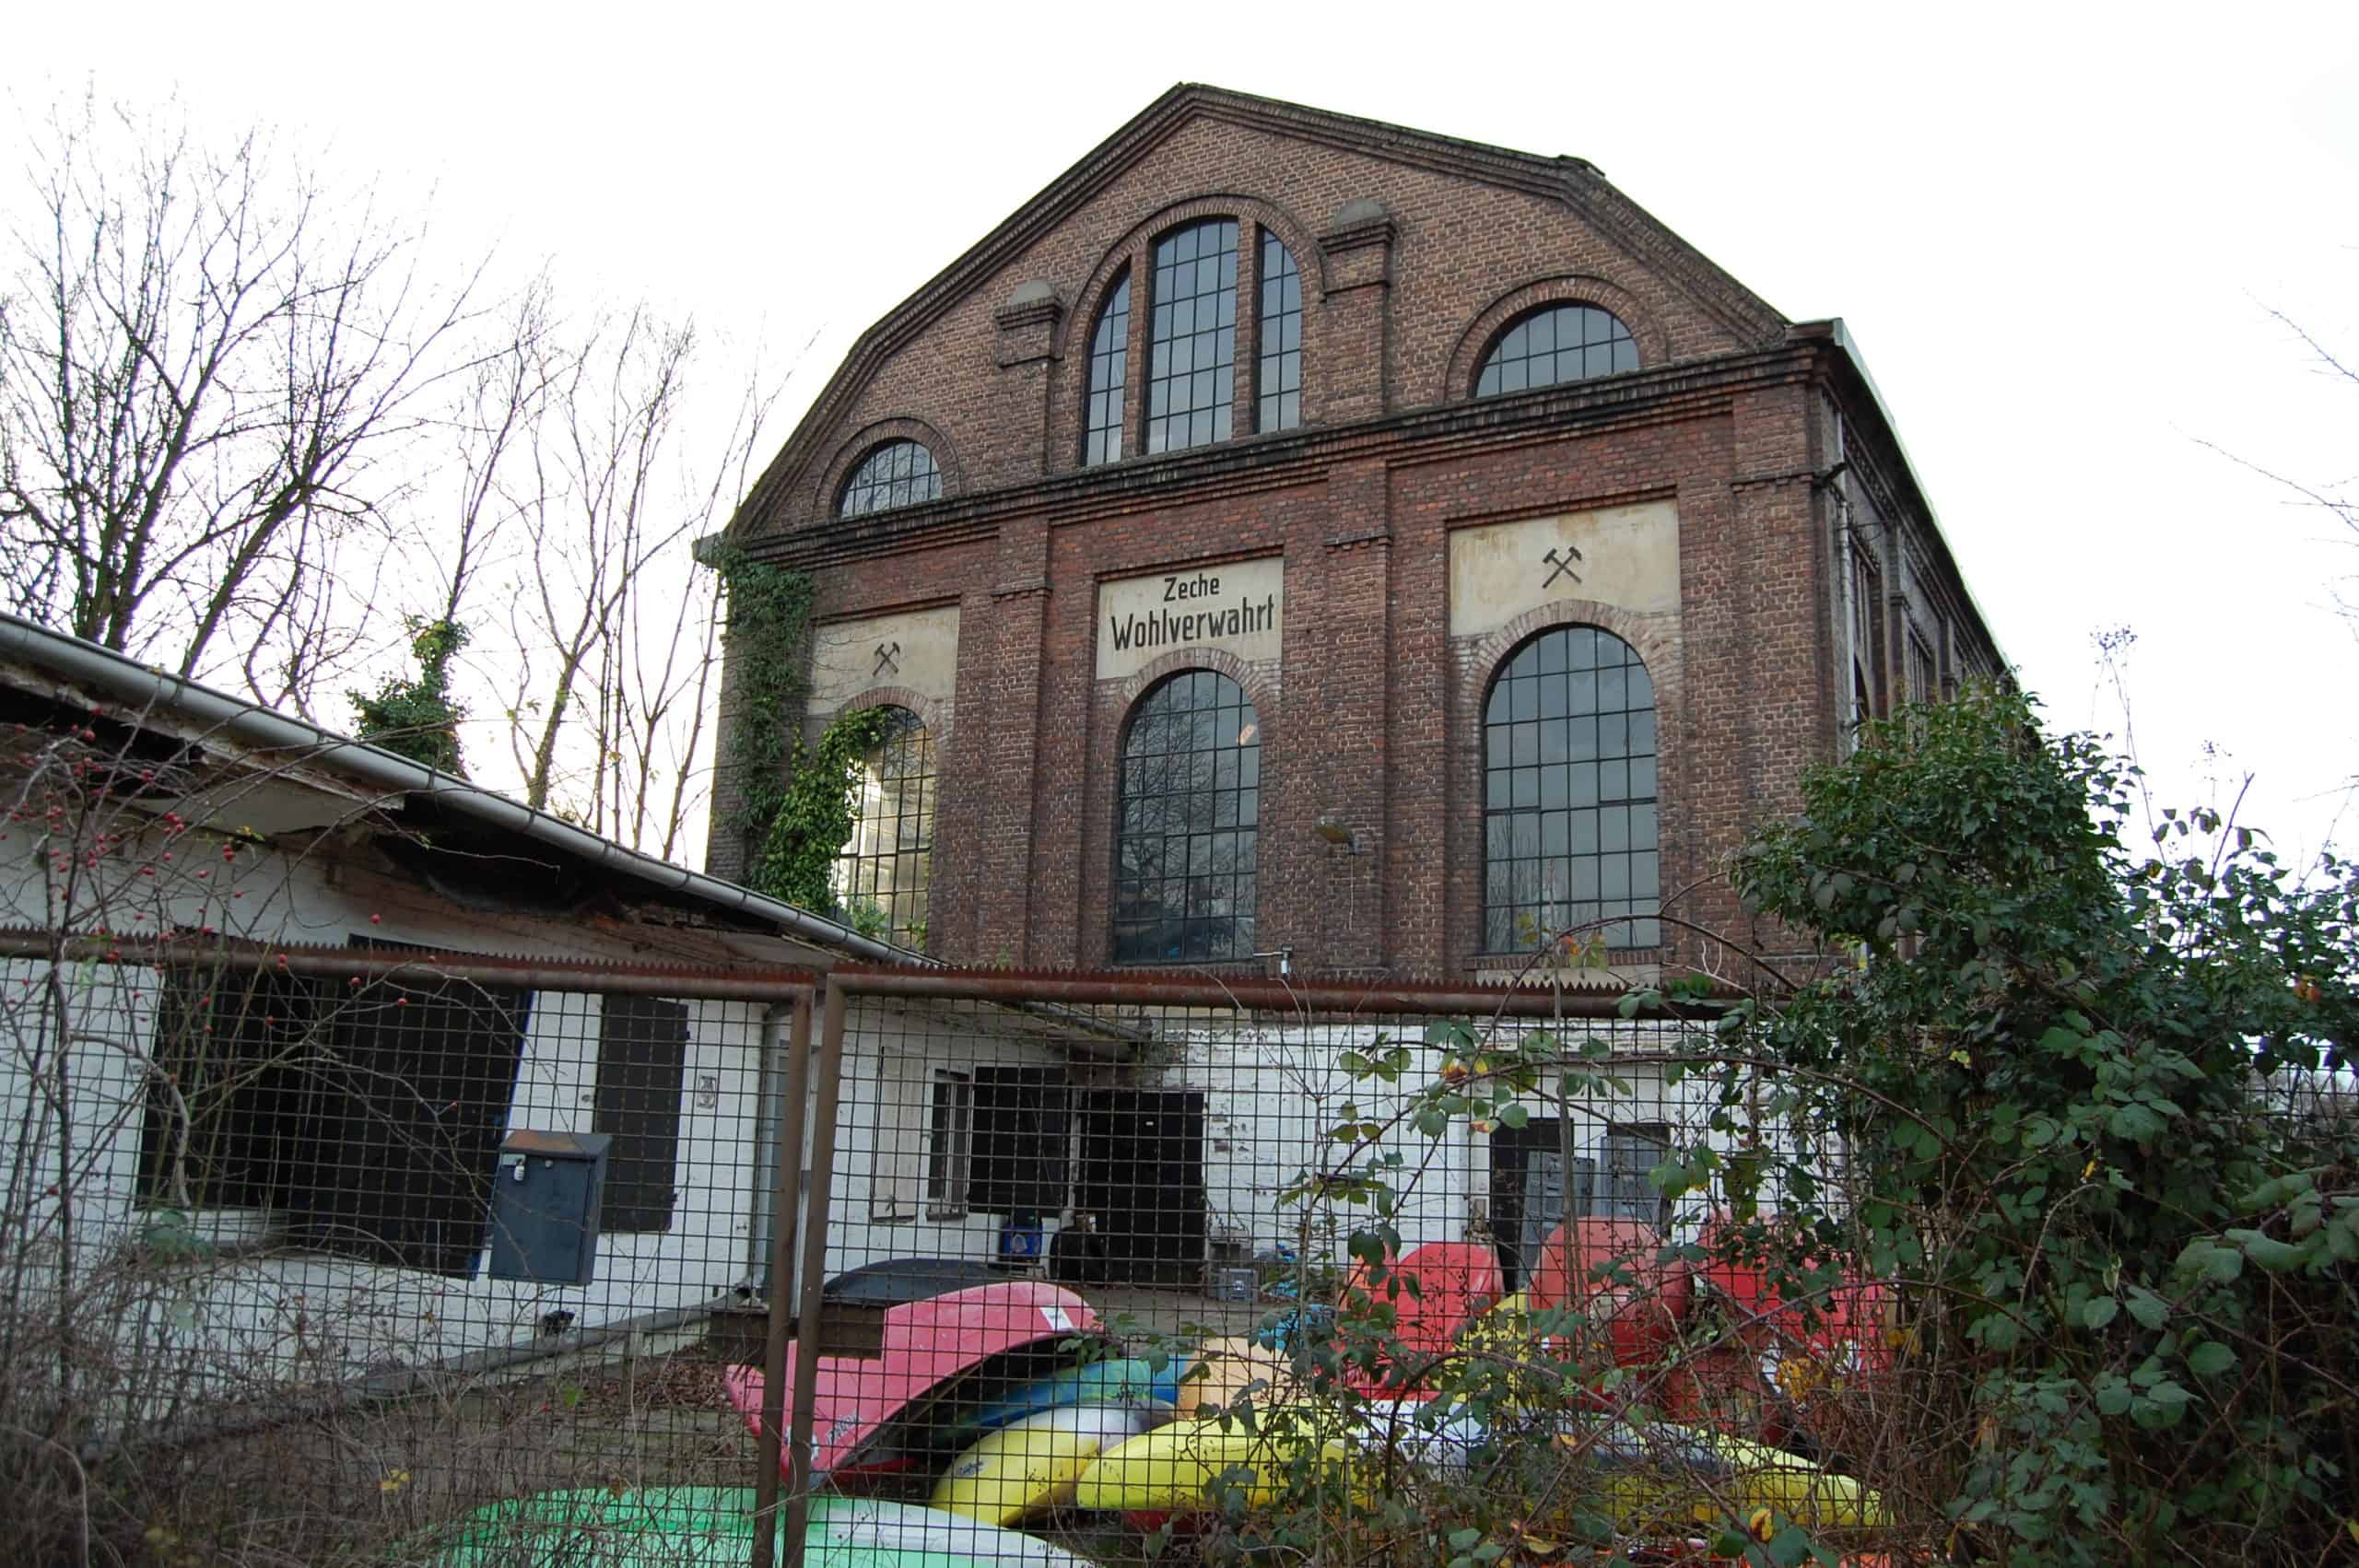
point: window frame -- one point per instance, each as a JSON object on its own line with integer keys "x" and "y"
{"x": 949, "y": 1143}
{"x": 1504, "y": 820}
{"x": 853, "y": 865}
{"x": 1244, "y": 870}
{"x": 413, "y": 1193}
{"x": 857, "y": 479}
{"x": 1133, "y": 360}
{"x": 1522, "y": 321}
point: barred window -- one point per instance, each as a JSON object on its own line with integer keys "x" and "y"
{"x": 1556, "y": 343}
{"x": 1279, "y": 377}
{"x": 1188, "y": 817}
{"x": 882, "y": 873}
{"x": 1191, "y": 343}
{"x": 899, "y": 474}
{"x": 1109, "y": 358}
{"x": 365, "y": 1118}
{"x": 1571, "y": 834}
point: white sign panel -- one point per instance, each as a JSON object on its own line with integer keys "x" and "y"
{"x": 917, "y": 650}
{"x": 1626, "y": 556}
{"x": 1236, "y": 608}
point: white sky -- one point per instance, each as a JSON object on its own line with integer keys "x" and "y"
{"x": 2056, "y": 233}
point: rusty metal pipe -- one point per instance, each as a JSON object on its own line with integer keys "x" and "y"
{"x": 1257, "y": 993}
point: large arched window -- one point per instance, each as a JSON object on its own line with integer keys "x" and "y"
{"x": 1570, "y": 832}
{"x": 899, "y": 474}
{"x": 1109, "y": 359}
{"x": 1188, "y": 815}
{"x": 1556, "y": 343}
{"x": 881, "y": 874}
{"x": 1192, "y": 341}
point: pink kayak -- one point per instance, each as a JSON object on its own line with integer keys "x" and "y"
{"x": 928, "y": 1346}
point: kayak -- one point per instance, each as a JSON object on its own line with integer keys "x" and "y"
{"x": 1099, "y": 1382}
{"x": 1227, "y": 1370}
{"x": 929, "y": 1346}
{"x": 1035, "y": 1464}
{"x": 702, "y": 1527}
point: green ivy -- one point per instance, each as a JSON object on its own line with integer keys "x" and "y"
{"x": 417, "y": 718}
{"x": 816, "y": 813}
{"x": 769, "y": 615}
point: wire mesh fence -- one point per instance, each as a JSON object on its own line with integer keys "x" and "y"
{"x": 405, "y": 1258}
{"x": 350, "y": 1249}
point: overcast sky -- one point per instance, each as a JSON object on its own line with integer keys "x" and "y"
{"x": 2057, "y": 233}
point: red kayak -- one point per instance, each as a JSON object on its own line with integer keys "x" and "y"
{"x": 1611, "y": 1269}
{"x": 1456, "y": 1281}
{"x": 929, "y": 1346}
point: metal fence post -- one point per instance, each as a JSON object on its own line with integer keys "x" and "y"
{"x": 783, "y": 1216}
{"x": 816, "y": 1201}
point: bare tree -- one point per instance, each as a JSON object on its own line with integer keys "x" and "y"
{"x": 578, "y": 493}
{"x": 207, "y": 373}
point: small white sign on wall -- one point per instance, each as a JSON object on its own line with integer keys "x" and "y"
{"x": 1239, "y": 608}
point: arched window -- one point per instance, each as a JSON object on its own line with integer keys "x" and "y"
{"x": 1192, "y": 341}
{"x": 1109, "y": 358}
{"x": 1569, "y": 831}
{"x": 1279, "y": 377}
{"x": 1187, "y": 840}
{"x": 881, "y": 873}
{"x": 899, "y": 474}
{"x": 1194, "y": 345}
{"x": 1556, "y": 343}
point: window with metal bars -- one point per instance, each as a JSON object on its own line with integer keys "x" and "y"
{"x": 1278, "y": 378}
{"x": 1189, "y": 817}
{"x": 1192, "y": 337}
{"x": 1109, "y": 359}
{"x": 883, "y": 869}
{"x": 1570, "y": 818}
{"x": 642, "y": 1062}
{"x": 899, "y": 474}
{"x": 1554, "y": 343}
{"x": 366, "y": 1119}
{"x": 949, "y": 1147}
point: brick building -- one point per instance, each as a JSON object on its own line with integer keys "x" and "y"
{"x": 1296, "y": 532}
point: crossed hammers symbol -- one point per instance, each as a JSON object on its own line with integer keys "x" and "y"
{"x": 887, "y": 659}
{"x": 1562, "y": 565}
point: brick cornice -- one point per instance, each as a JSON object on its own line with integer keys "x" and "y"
{"x": 1671, "y": 394}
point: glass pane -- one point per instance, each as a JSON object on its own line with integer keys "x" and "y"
{"x": 1184, "y": 875}
{"x": 1556, "y": 343}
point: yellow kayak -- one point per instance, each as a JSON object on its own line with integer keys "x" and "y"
{"x": 1662, "y": 1476}
{"x": 1035, "y": 1464}
{"x": 1174, "y": 1468}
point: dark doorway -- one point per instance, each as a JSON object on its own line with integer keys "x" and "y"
{"x": 1142, "y": 1178}
{"x": 1531, "y": 1195}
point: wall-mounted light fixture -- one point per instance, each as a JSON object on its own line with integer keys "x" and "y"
{"x": 1332, "y": 828}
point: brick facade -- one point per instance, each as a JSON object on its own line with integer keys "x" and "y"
{"x": 1793, "y": 506}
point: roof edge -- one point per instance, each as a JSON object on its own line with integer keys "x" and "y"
{"x": 1574, "y": 179}
{"x": 137, "y": 684}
